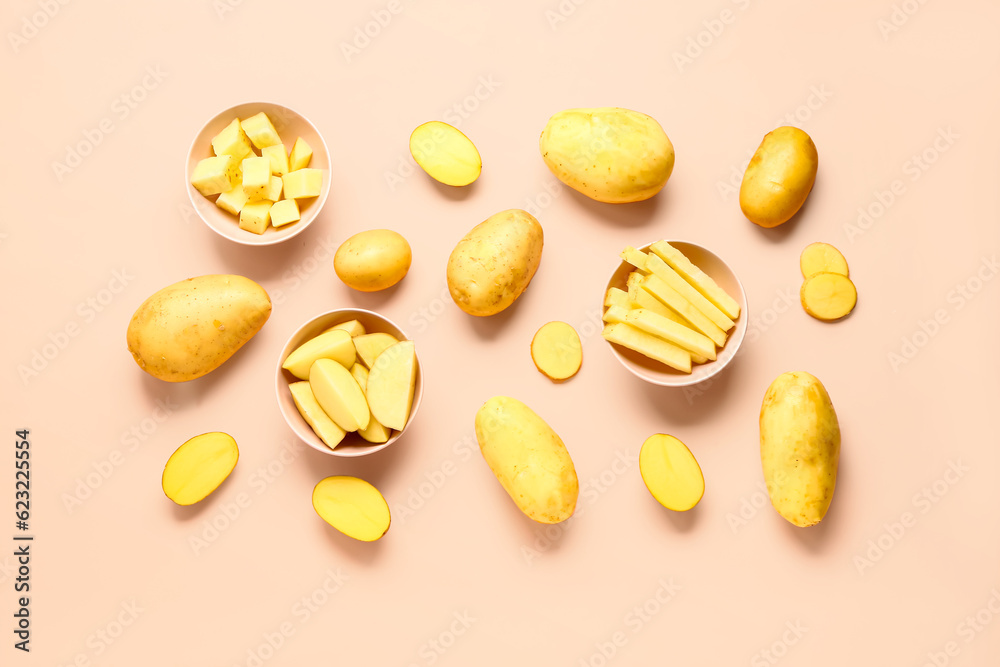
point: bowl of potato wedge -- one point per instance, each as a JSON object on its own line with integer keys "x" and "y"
{"x": 258, "y": 173}
{"x": 675, "y": 314}
{"x": 348, "y": 382}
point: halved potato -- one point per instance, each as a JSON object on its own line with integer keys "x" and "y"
{"x": 828, "y": 296}
{"x": 199, "y": 466}
{"x": 556, "y": 351}
{"x": 671, "y": 473}
{"x": 822, "y": 258}
{"x": 352, "y": 506}
{"x": 447, "y": 155}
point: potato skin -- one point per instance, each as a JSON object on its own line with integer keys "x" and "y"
{"x": 373, "y": 260}
{"x": 779, "y": 177}
{"x": 610, "y": 154}
{"x": 528, "y": 458}
{"x": 190, "y": 328}
{"x": 799, "y": 447}
{"x": 492, "y": 265}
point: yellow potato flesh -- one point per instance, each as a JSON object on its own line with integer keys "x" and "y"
{"x": 391, "y": 384}
{"x": 338, "y": 393}
{"x": 447, "y": 155}
{"x": 352, "y": 506}
{"x": 649, "y": 345}
{"x": 556, "y": 351}
{"x": 822, "y": 258}
{"x": 698, "y": 278}
{"x": 315, "y": 416}
{"x": 199, "y": 466}
{"x": 779, "y": 178}
{"x": 671, "y": 472}
{"x": 828, "y": 296}
{"x": 353, "y": 327}
{"x": 375, "y": 432}
{"x": 335, "y": 344}
{"x": 373, "y": 260}
{"x": 369, "y": 346}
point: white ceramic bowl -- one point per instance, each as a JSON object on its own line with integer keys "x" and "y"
{"x": 290, "y": 125}
{"x": 352, "y": 445}
{"x": 657, "y": 373}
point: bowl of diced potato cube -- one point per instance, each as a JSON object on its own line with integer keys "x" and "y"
{"x": 258, "y": 173}
{"x": 675, "y": 313}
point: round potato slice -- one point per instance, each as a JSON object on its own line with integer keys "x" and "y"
{"x": 671, "y": 472}
{"x": 556, "y": 351}
{"x": 822, "y": 258}
{"x": 352, "y": 506}
{"x": 199, "y": 466}
{"x": 828, "y": 296}
{"x": 447, "y": 155}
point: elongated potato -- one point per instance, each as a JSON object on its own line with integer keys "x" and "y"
{"x": 528, "y": 458}
{"x": 190, "y": 328}
{"x": 610, "y": 154}
{"x": 492, "y": 265}
{"x": 799, "y": 447}
{"x": 779, "y": 177}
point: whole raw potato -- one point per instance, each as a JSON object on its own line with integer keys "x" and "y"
{"x": 493, "y": 263}
{"x": 799, "y": 447}
{"x": 528, "y": 458}
{"x": 610, "y": 154}
{"x": 779, "y": 177}
{"x": 192, "y": 327}
{"x": 373, "y": 260}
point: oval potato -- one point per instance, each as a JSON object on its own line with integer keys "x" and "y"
{"x": 190, "y": 328}
{"x": 492, "y": 265}
{"x": 199, "y": 466}
{"x": 671, "y": 473}
{"x": 799, "y": 447}
{"x": 352, "y": 506}
{"x": 373, "y": 260}
{"x": 447, "y": 155}
{"x": 779, "y": 177}
{"x": 610, "y": 154}
{"x": 528, "y": 458}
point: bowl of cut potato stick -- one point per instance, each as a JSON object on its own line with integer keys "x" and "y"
{"x": 675, "y": 313}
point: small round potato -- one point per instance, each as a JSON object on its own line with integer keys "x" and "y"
{"x": 373, "y": 260}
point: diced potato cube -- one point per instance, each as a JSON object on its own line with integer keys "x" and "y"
{"x": 303, "y": 183}
{"x": 274, "y": 186}
{"x": 255, "y": 216}
{"x": 278, "y": 157}
{"x": 232, "y": 200}
{"x": 214, "y": 175}
{"x": 300, "y": 156}
{"x": 256, "y": 177}
{"x": 232, "y": 141}
{"x": 284, "y": 212}
{"x": 261, "y": 131}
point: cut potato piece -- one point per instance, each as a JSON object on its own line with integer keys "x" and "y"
{"x": 636, "y": 258}
{"x": 615, "y": 314}
{"x": 376, "y": 432}
{"x": 300, "y": 156}
{"x": 315, "y": 416}
{"x": 215, "y": 175}
{"x": 303, "y": 183}
{"x": 447, "y": 155}
{"x": 828, "y": 296}
{"x": 335, "y": 344}
{"x": 822, "y": 258}
{"x": 671, "y": 473}
{"x": 391, "y": 383}
{"x": 232, "y": 141}
{"x": 199, "y": 466}
{"x": 353, "y": 327}
{"x": 670, "y": 331}
{"x": 369, "y": 346}
{"x": 278, "y": 158}
{"x": 255, "y": 216}
{"x": 660, "y": 269}
{"x": 676, "y": 260}
{"x": 648, "y": 345}
{"x": 232, "y": 200}
{"x": 617, "y": 297}
{"x": 261, "y": 131}
{"x": 339, "y": 394}
{"x": 352, "y": 506}
{"x": 556, "y": 351}
{"x": 284, "y": 212}
{"x": 669, "y": 296}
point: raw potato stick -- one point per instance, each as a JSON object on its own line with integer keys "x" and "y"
{"x": 701, "y": 281}
{"x": 648, "y": 345}
{"x": 670, "y": 331}
{"x": 666, "y": 294}
{"x": 659, "y": 268}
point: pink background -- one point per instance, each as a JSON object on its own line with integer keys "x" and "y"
{"x": 462, "y": 578}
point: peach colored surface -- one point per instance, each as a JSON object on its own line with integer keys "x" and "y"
{"x": 103, "y": 100}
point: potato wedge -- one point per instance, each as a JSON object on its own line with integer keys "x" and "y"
{"x": 828, "y": 296}
{"x": 391, "y": 383}
{"x": 352, "y": 506}
{"x": 334, "y": 344}
{"x": 375, "y": 432}
{"x": 822, "y": 258}
{"x": 339, "y": 394}
{"x": 315, "y": 416}
{"x": 199, "y": 466}
{"x": 556, "y": 351}
{"x": 369, "y": 346}
{"x": 671, "y": 473}
{"x": 447, "y": 155}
